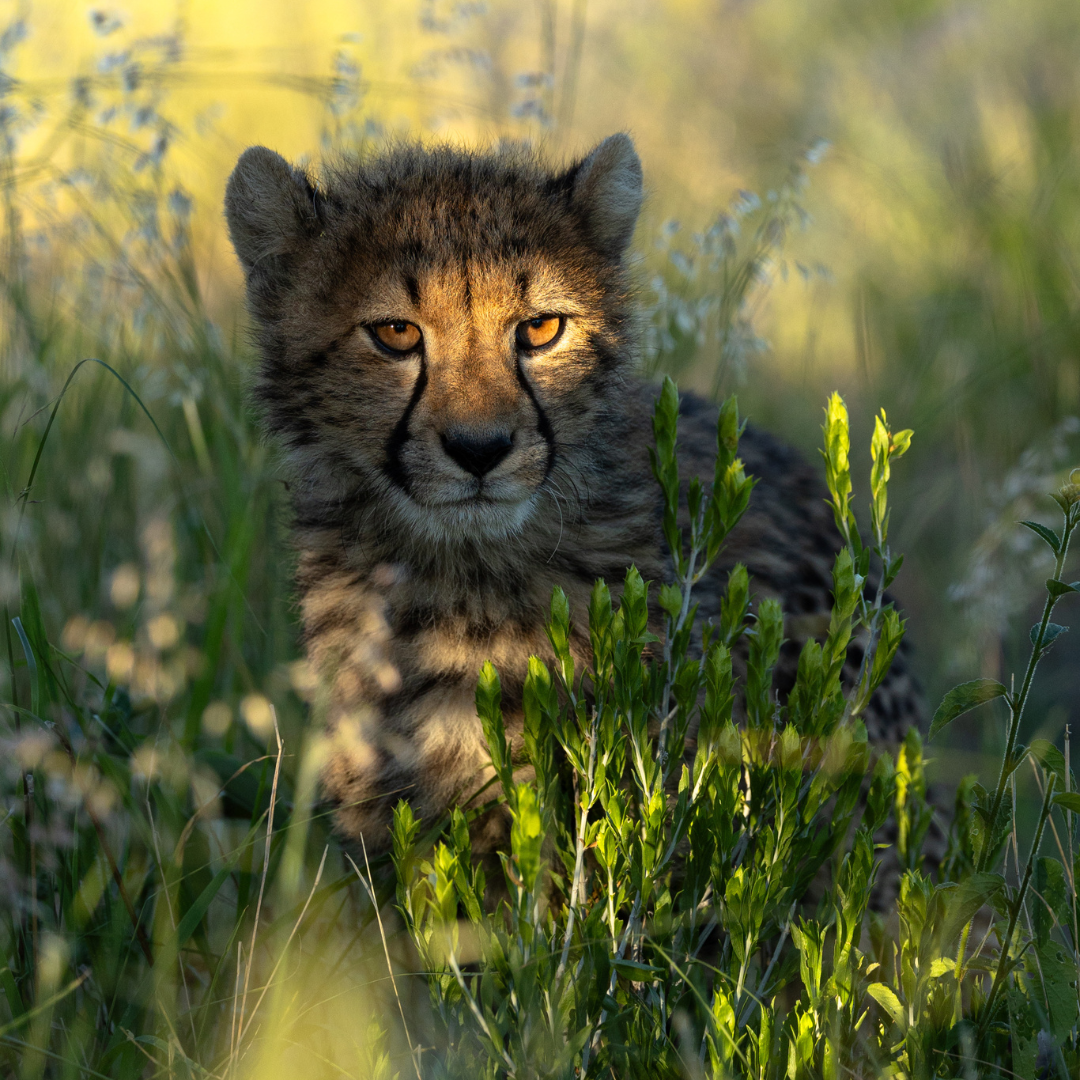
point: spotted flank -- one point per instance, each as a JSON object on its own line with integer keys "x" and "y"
{"x": 448, "y": 345}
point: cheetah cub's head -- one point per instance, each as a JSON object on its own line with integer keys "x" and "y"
{"x": 443, "y": 332}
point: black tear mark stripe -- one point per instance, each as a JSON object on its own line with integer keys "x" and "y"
{"x": 543, "y": 424}
{"x": 400, "y": 435}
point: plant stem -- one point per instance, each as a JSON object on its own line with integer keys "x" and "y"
{"x": 579, "y": 848}
{"x": 1016, "y": 704}
{"x": 867, "y": 666}
{"x": 1017, "y": 907}
{"x": 674, "y": 629}
{"x": 1072, "y": 865}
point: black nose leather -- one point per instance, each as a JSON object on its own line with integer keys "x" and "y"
{"x": 477, "y": 454}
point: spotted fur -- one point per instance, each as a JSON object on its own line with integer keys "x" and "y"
{"x": 415, "y": 565}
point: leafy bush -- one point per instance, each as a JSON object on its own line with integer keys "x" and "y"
{"x": 705, "y": 907}
{"x": 668, "y": 905}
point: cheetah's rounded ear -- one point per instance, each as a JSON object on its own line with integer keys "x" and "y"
{"x": 270, "y": 206}
{"x": 607, "y": 192}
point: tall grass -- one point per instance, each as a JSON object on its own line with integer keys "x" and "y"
{"x": 157, "y": 775}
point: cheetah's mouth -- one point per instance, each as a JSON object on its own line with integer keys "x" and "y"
{"x": 480, "y": 492}
{"x": 479, "y": 515}
{"x": 480, "y": 498}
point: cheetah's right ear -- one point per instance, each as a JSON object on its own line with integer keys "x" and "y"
{"x": 607, "y": 193}
{"x": 271, "y": 209}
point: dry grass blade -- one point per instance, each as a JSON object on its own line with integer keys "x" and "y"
{"x": 262, "y": 882}
{"x": 236, "y": 997}
{"x": 296, "y": 926}
{"x": 208, "y": 804}
{"x": 386, "y": 950}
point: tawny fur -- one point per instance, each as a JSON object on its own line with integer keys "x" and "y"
{"x": 413, "y": 569}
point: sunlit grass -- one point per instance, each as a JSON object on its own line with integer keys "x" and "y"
{"x": 939, "y": 281}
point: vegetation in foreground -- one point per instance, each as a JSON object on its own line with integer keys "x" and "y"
{"x": 660, "y": 912}
{"x": 172, "y": 903}
{"x": 710, "y": 914}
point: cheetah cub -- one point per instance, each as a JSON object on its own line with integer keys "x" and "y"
{"x": 449, "y": 344}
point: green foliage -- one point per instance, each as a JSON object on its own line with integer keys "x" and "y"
{"x": 702, "y": 902}
{"x": 683, "y": 894}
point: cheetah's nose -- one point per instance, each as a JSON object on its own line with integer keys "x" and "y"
{"x": 477, "y": 453}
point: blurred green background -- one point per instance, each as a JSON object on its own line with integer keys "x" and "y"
{"x": 878, "y": 198}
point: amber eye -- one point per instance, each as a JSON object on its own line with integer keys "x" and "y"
{"x": 398, "y": 336}
{"x": 538, "y": 332}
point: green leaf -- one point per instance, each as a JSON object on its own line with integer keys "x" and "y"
{"x": 1059, "y": 588}
{"x": 1058, "y": 979}
{"x": 634, "y": 608}
{"x": 559, "y": 635}
{"x": 893, "y": 569}
{"x": 671, "y": 598}
{"x": 963, "y": 903}
{"x": 633, "y": 970}
{"x": 194, "y": 914}
{"x": 837, "y": 466}
{"x": 888, "y": 1001}
{"x": 1051, "y": 903}
{"x": 892, "y": 633}
{"x": 1068, "y": 800}
{"x": 734, "y": 606}
{"x": 1051, "y": 634}
{"x": 31, "y": 665}
{"x": 489, "y": 709}
{"x": 728, "y": 430}
{"x": 11, "y": 992}
{"x": 1048, "y": 535}
{"x": 526, "y": 834}
{"x": 765, "y": 642}
{"x": 1051, "y": 759}
{"x": 405, "y": 829}
{"x": 964, "y": 698}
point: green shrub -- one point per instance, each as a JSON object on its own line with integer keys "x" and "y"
{"x": 704, "y": 909}
{"x": 667, "y": 906}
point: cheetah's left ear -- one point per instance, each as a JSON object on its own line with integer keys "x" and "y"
{"x": 607, "y": 192}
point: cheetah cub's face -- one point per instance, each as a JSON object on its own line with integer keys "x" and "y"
{"x": 441, "y": 330}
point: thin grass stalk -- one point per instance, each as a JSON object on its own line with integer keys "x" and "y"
{"x": 548, "y": 20}
{"x": 262, "y": 883}
{"x": 281, "y": 956}
{"x": 1071, "y": 866}
{"x": 1017, "y": 703}
{"x": 236, "y": 997}
{"x": 579, "y": 849}
{"x": 479, "y": 1016}
{"x": 386, "y": 950}
{"x": 27, "y": 783}
{"x": 687, "y": 582}
{"x": 572, "y": 70}
{"x": 1003, "y": 965}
